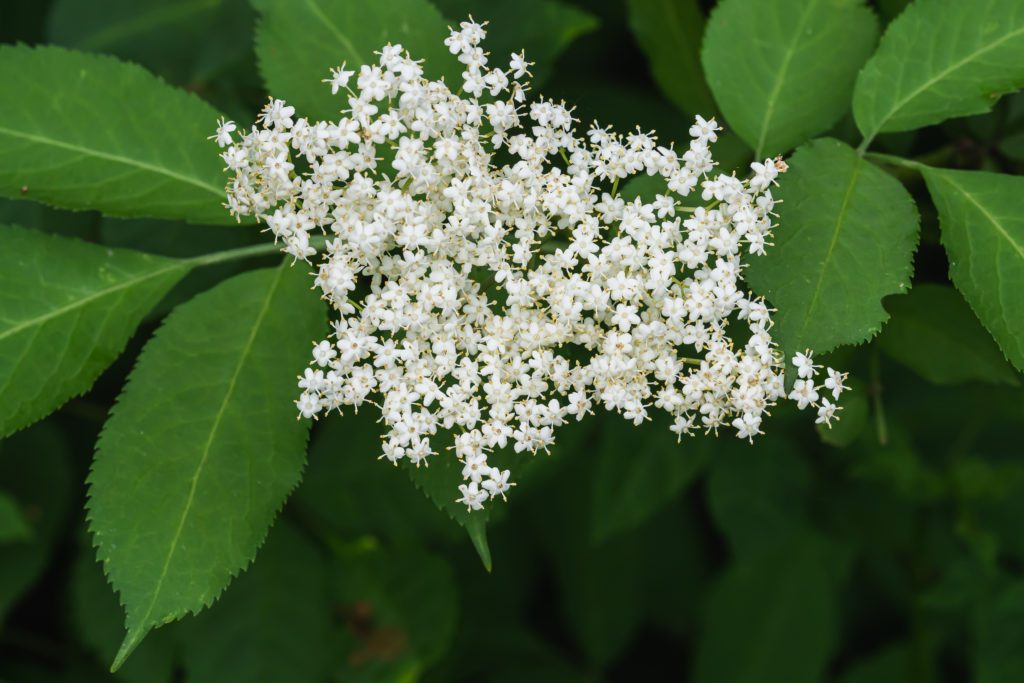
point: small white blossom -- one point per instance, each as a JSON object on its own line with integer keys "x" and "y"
{"x": 805, "y": 367}
{"x": 339, "y": 78}
{"x": 224, "y": 130}
{"x": 835, "y": 383}
{"x": 826, "y": 412}
{"x": 488, "y": 281}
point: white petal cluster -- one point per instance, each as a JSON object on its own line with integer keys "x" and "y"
{"x": 488, "y": 282}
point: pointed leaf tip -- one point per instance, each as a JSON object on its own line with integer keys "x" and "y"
{"x": 131, "y": 641}
{"x": 478, "y": 535}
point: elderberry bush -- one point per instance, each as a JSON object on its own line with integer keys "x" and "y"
{"x": 547, "y": 340}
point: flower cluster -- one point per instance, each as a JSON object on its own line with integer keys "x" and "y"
{"x": 488, "y": 280}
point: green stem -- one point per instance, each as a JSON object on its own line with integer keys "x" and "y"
{"x": 881, "y": 426}
{"x": 894, "y": 160}
{"x": 246, "y": 252}
{"x": 862, "y": 148}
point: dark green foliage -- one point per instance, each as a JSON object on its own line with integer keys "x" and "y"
{"x": 147, "y": 366}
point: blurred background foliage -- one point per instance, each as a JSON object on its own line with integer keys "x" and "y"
{"x": 889, "y": 549}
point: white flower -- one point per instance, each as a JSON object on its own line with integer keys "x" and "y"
{"x": 488, "y": 281}
{"x": 472, "y": 496}
{"x": 834, "y": 383}
{"x": 339, "y": 78}
{"x": 804, "y": 393}
{"x": 497, "y": 483}
{"x": 826, "y": 412}
{"x": 705, "y": 130}
{"x": 308, "y": 404}
{"x": 805, "y": 367}
{"x": 224, "y": 130}
{"x": 518, "y": 65}
{"x": 324, "y": 353}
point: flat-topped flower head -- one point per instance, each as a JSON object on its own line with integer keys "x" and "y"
{"x": 489, "y": 283}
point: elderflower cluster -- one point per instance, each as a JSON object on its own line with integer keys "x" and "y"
{"x": 490, "y": 283}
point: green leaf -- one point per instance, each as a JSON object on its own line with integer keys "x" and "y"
{"x": 1013, "y": 146}
{"x": 67, "y": 309}
{"x": 177, "y": 239}
{"x": 439, "y": 481}
{"x": 999, "y": 637}
{"x": 273, "y": 625}
{"x": 782, "y": 71}
{"x": 758, "y": 494}
{"x": 160, "y": 35}
{"x": 846, "y": 238}
{"x": 13, "y": 525}
{"x": 99, "y": 624}
{"x": 91, "y": 132}
{"x": 543, "y": 28}
{"x": 36, "y": 471}
{"x": 400, "y": 609}
{"x": 637, "y": 470}
{"x": 934, "y": 333}
{"x": 940, "y": 59}
{"x": 350, "y": 489}
{"x": 669, "y": 32}
{"x": 982, "y": 220}
{"x": 336, "y": 31}
{"x": 203, "y": 446}
{"x": 898, "y": 467}
{"x": 892, "y": 664}
{"x": 771, "y": 618}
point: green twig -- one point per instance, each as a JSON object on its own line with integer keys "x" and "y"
{"x": 246, "y": 252}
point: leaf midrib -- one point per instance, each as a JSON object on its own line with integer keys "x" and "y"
{"x": 840, "y": 220}
{"x": 938, "y": 77}
{"x": 127, "y": 161}
{"x": 246, "y": 350}
{"x": 985, "y": 212}
{"x": 347, "y": 44}
{"x": 81, "y": 303}
{"x": 773, "y": 96}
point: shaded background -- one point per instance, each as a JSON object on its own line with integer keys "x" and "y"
{"x": 888, "y": 550}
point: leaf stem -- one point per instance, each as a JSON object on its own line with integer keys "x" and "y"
{"x": 894, "y": 160}
{"x": 881, "y": 426}
{"x": 245, "y": 252}
{"x": 862, "y": 148}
